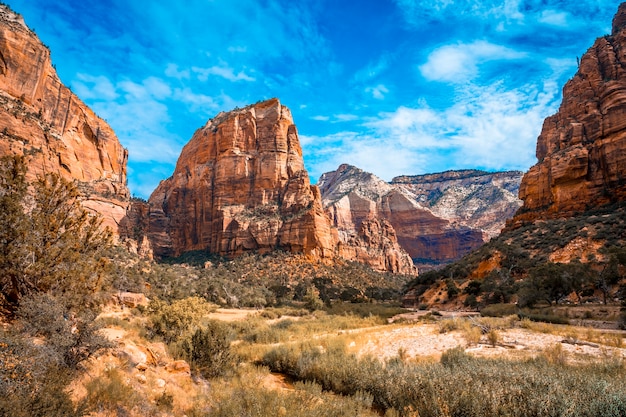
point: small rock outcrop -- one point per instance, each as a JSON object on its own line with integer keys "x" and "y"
{"x": 43, "y": 120}
{"x": 581, "y": 150}
{"x": 436, "y": 218}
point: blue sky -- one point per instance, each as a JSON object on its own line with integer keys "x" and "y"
{"x": 391, "y": 86}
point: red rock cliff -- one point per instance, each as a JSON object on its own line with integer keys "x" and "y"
{"x": 582, "y": 148}
{"x": 240, "y": 185}
{"x": 44, "y": 120}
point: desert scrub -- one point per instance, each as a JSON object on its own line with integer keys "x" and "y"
{"x": 175, "y": 320}
{"x": 110, "y": 393}
{"x": 320, "y": 323}
{"x": 472, "y": 335}
{"x": 245, "y": 395}
{"x": 448, "y": 325}
{"x": 364, "y": 310}
{"x": 461, "y": 384}
{"x": 208, "y": 350}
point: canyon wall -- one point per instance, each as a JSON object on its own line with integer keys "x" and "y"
{"x": 581, "y": 150}
{"x": 43, "y": 120}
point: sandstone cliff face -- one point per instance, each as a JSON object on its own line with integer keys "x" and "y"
{"x": 240, "y": 185}
{"x": 43, "y": 120}
{"x": 582, "y": 148}
{"x": 436, "y": 218}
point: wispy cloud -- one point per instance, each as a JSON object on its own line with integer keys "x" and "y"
{"x": 373, "y": 69}
{"x": 554, "y": 17}
{"x": 222, "y": 70}
{"x": 500, "y": 15}
{"x": 378, "y": 92}
{"x": 460, "y": 62}
{"x": 173, "y": 72}
{"x": 418, "y": 10}
{"x": 490, "y": 128}
{"x": 336, "y": 118}
{"x": 99, "y": 88}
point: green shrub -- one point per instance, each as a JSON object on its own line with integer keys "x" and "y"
{"x": 544, "y": 318}
{"x": 55, "y": 246}
{"x": 208, "y": 350}
{"x": 470, "y": 301}
{"x": 173, "y": 321}
{"x": 312, "y": 300}
{"x": 499, "y": 310}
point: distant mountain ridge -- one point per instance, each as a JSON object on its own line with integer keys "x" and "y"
{"x": 437, "y": 218}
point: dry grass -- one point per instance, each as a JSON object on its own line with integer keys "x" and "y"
{"x": 414, "y": 344}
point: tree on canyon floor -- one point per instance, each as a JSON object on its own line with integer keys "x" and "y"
{"x": 51, "y": 268}
{"x": 48, "y": 241}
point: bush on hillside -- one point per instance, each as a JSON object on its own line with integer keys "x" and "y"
{"x": 208, "y": 350}
{"x": 178, "y": 319}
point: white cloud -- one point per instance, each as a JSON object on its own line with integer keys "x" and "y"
{"x": 345, "y": 117}
{"x": 502, "y": 15}
{"x": 489, "y": 128}
{"x": 172, "y": 71}
{"x": 378, "y": 92}
{"x": 554, "y": 18}
{"x": 223, "y": 71}
{"x": 459, "y": 63}
{"x": 382, "y": 157}
{"x": 417, "y": 10}
{"x": 336, "y": 118}
{"x": 88, "y": 87}
{"x": 194, "y": 100}
{"x": 151, "y": 87}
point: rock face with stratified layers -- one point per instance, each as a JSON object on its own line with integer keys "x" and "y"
{"x": 582, "y": 149}
{"x": 436, "y": 218}
{"x": 240, "y": 185}
{"x": 43, "y": 120}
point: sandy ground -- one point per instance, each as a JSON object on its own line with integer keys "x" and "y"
{"x": 425, "y": 341}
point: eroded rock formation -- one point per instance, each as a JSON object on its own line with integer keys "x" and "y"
{"x": 240, "y": 185}
{"x": 436, "y": 218}
{"x": 582, "y": 149}
{"x": 43, "y": 120}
